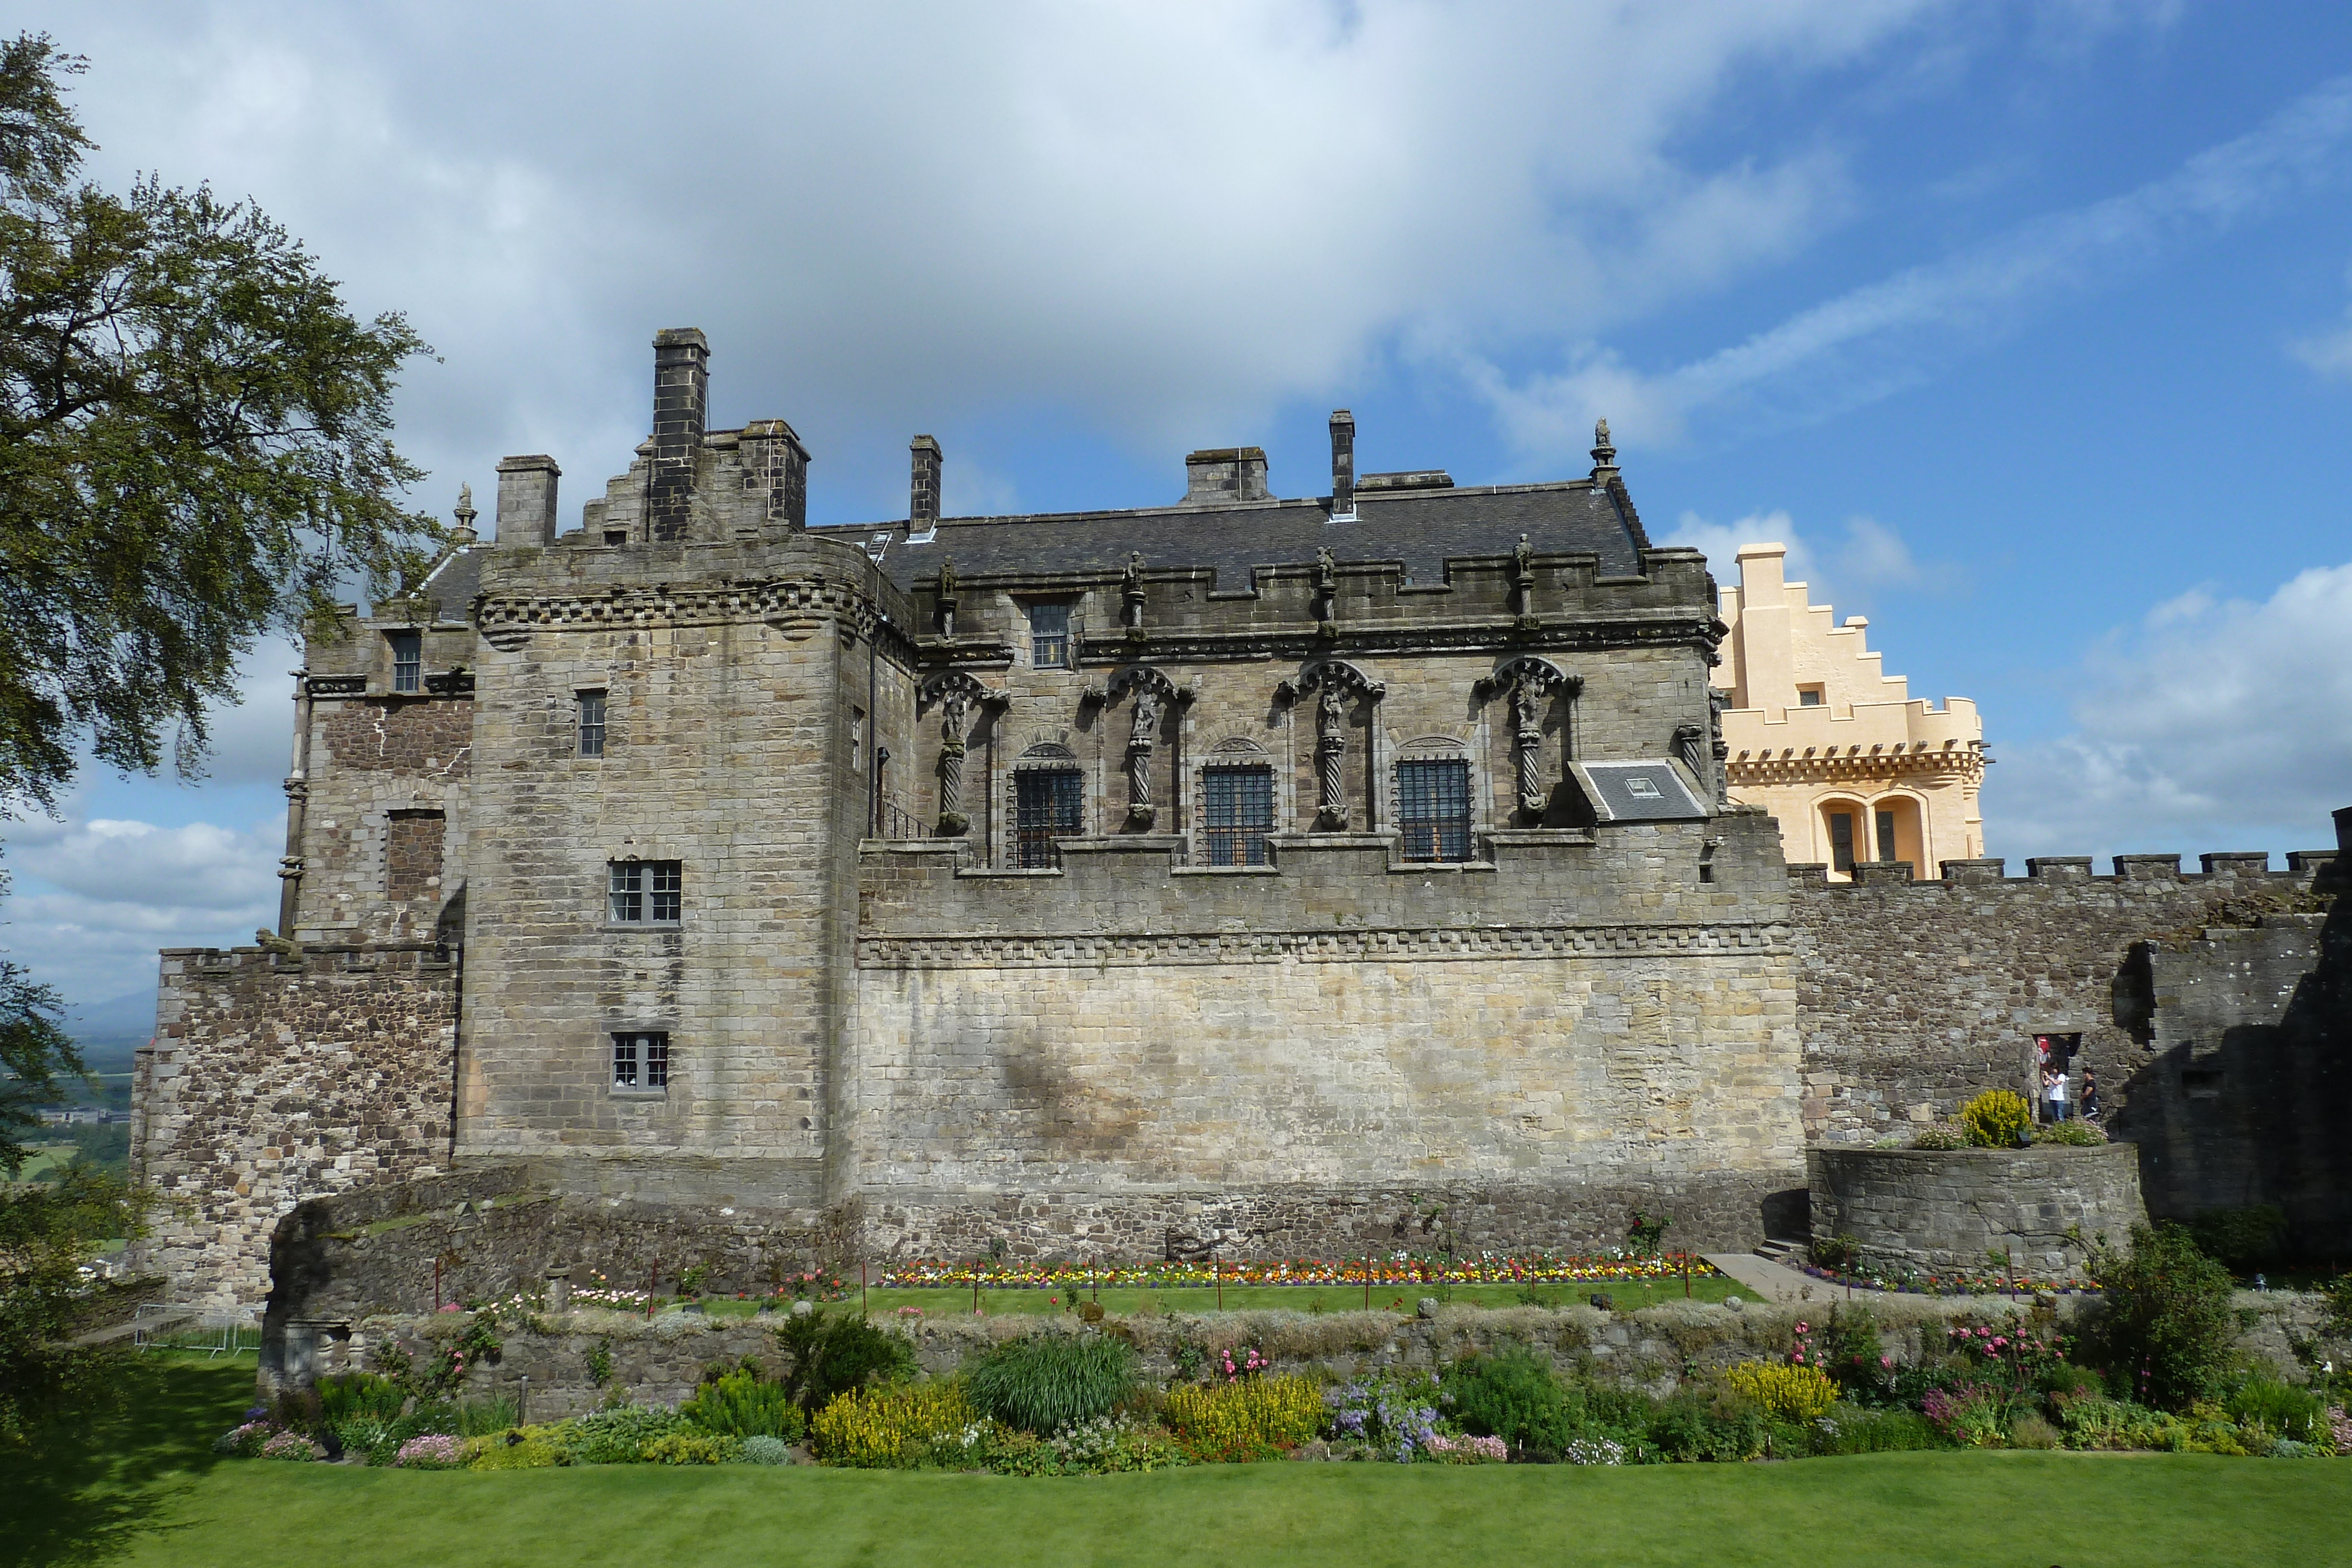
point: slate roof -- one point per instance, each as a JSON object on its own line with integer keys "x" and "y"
{"x": 1422, "y": 528}
{"x": 453, "y": 584}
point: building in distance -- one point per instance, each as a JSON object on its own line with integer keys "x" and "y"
{"x": 1853, "y": 766}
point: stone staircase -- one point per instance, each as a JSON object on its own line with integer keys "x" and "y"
{"x": 1788, "y": 1251}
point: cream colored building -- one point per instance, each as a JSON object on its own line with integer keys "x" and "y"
{"x": 1853, "y": 766}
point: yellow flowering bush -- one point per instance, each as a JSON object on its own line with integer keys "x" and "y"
{"x": 1790, "y": 1393}
{"x": 1248, "y": 1419}
{"x": 1994, "y": 1119}
{"x": 535, "y": 1450}
{"x": 873, "y": 1429}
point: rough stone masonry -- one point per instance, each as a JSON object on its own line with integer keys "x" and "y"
{"x": 1263, "y": 874}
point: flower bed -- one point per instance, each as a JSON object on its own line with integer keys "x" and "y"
{"x": 1400, "y": 1269}
{"x": 1907, "y": 1283}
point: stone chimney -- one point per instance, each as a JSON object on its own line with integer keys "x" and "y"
{"x": 681, "y": 398}
{"x": 1224, "y": 475}
{"x": 527, "y": 499}
{"x": 1343, "y": 463}
{"x": 923, "y": 487}
{"x": 777, "y": 465}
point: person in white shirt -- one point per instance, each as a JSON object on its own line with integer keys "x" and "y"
{"x": 2058, "y": 1096}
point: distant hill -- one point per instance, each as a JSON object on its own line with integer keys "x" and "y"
{"x": 109, "y": 1031}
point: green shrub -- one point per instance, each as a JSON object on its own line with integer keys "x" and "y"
{"x": 351, "y": 1396}
{"x": 742, "y": 1404}
{"x": 620, "y": 1436}
{"x": 767, "y": 1451}
{"x": 2031, "y": 1431}
{"x": 2120, "y": 1424}
{"x": 484, "y": 1417}
{"x": 1513, "y": 1396}
{"x": 517, "y": 1451}
{"x": 830, "y": 1355}
{"x": 1254, "y": 1418}
{"x": 2169, "y": 1331}
{"x": 2281, "y": 1410}
{"x": 1859, "y": 1429}
{"x": 1994, "y": 1119}
{"x": 890, "y": 1426}
{"x": 1049, "y": 1381}
{"x": 2243, "y": 1239}
{"x": 1708, "y": 1425}
{"x": 2075, "y": 1132}
{"x": 692, "y": 1448}
{"x": 1837, "y": 1252}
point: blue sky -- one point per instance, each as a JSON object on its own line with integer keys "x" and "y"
{"x": 2031, "y": 326}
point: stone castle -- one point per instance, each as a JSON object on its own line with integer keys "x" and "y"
{"x": 1277, "y": 875}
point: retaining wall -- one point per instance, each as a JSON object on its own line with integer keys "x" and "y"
{"x": 1936, "y": 1211}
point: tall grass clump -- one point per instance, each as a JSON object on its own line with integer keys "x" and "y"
{"x": 1047, "y": 1382}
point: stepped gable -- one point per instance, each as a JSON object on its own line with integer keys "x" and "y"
{"x": 1422, "y": 528}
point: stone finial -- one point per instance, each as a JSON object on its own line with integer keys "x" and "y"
{"x": 465, "y": 515}
{"x": 1604, "y": 456}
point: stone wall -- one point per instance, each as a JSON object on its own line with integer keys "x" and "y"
{"x": 1913, "y": 997}
{"x": 1129, "y": 1055}
{"x": 1938, "y": 1211}
{"x": 273, "y": 1079}
{"x": 491, "y": 1230}
{"x": 2245, "y": 1092}
{"x": 660, "y": 1360}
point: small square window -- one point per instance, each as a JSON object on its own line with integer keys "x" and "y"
{"x": 635, "y": 883}
{"x": 1809, "y": 696}
{"x": 1049, "y": 636}
{"x": 641, "y": 1060}
{"x": 1643, "y": 787}
{"x": 408, "y": 660}
{"x": 592, "y": 724}
{"x": 616, "y": 535}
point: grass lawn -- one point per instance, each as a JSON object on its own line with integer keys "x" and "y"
{"x": 144, "y": 1488}
{"x": 950, "y": 1302}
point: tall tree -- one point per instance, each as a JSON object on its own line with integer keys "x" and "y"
{"x": 195, "y": 447}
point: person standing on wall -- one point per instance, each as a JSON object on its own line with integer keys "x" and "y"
{"x": 2058, "y": 1094}
{"x": 2090, "y": 1098}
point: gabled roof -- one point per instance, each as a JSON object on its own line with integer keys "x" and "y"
{"x": 1422, "y": 528}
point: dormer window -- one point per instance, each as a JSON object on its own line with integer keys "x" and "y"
{"x": 1049, "y": 636}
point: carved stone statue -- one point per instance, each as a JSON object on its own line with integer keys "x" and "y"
{"x": 1144, "y": 726}
{"x": 1331, "y": 746}
{"x": 1526, "y": 741}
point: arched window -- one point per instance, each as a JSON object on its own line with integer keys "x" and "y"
{"x": 1844, "y": 834}
{"x": 1896, "y": 831}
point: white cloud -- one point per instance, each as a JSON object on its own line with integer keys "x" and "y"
{"x": 1874, "y": 340}
{"x": 1165, "y": 221}
{"x": 1870, "y": 558}
{"x": 94, "y": 898}
{"x": 2212, "y": 717}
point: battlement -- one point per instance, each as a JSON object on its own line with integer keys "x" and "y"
{"x": 2222, "y": 868}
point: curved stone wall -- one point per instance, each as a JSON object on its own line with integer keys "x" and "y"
{"x": 1935, "y": 1209}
